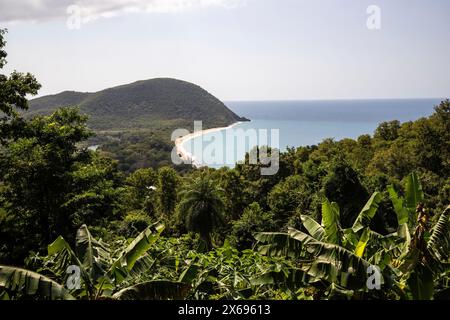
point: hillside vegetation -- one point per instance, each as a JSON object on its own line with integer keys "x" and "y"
{"x": 142, "y": 105}
{"x": 133, "y": 123}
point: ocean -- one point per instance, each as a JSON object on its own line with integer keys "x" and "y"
{"x": 300, "y": 123}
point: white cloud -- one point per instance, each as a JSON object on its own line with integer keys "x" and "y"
{"x": 43, "y": 10}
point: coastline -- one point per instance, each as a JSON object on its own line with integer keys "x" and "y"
{"x": 187, "y": 156}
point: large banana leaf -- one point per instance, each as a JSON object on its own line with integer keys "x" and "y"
{"x": 335, "y": 264}
{"x": 439, "y": 242}
{"x": 93, "y": 254}
{"x": 154, "y": 290}
{"x": 59, "y": 245}
{"x": 30, "y": 283}
{"x": 399, "y": 206}
{"x": 421, "y": 283}
{"x": 313, "y": 227}
{"x": 191, "y": 272}
{"x": 65, "y": 256}
{"x": 332, "y": 262}
{"x": 367, "y": 213}
{"x": 362, "y": 243}
{"x": 350, "y": 239}
{"x": 141, "y": 244}
{"x": 324, "y": 261}
{"x": 405, "y": 208}
{"x": 330, "y": 221}
{"x": 413, "y": 192}
{"x": 405, "y": 236}
{"x": 143, "y": 265}
{"x": 277, "y": 244}
{"x": 293, "y": 279}
{"x": 302, "y": 237}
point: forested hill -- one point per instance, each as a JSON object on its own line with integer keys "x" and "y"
{"x": 142, "y": 104}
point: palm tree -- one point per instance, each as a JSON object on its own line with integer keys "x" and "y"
{"x": 202, "y": 207}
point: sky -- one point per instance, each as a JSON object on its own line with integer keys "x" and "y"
{"x": 236, "y": 49}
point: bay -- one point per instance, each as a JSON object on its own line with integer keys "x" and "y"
{"x": 301, "y": 123}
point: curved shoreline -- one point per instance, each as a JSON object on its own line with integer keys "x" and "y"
{"x": 187, "y": 156}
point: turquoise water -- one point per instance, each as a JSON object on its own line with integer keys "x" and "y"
{"x": 301, "y": 123}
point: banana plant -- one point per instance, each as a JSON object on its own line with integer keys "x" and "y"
{"x": 354, "y": 239}
{"x": 340, "y": 257}
{"x": 330, "y": 254}
{"x": 92, "y": 257}
{"x": 421, "y": 260}
{"x": 327, "y": 252}
{"x": 101, "y": 272}
{"x": 405, "y": 207}
{"x": 426, "y": 262}
{"x": 226, "y": 273}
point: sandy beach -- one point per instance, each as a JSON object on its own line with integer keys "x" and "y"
{"x": 187, "y": 156}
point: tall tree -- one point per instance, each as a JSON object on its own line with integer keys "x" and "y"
{"x": 37, "y": 169}
{"x": 202, "y": 207}
{"x": 342, "y": 185}
{"x": 236, "y": 193}
{"x": 13, "y": 92}
{"x": 167, "y": 190}
{"x": 141, "y": 190}
{"x": 48, "y": 185}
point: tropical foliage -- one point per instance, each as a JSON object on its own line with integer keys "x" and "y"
{"x": 349, "y": 219}
{"x": 341, "y": 258}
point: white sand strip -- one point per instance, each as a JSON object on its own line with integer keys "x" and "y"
{"x": 187, "y": 156}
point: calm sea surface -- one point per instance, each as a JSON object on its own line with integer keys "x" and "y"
{"x": 301, "y": 123}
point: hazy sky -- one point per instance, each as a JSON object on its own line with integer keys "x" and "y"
{"x": 237, "y": 50}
